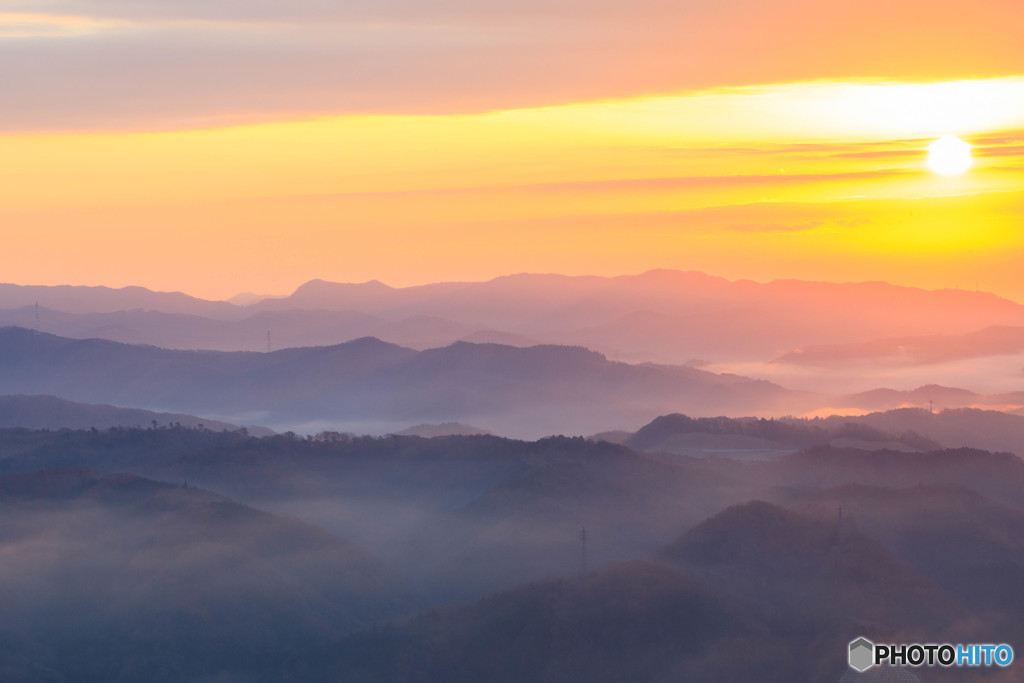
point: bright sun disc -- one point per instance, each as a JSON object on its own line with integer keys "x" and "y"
{"x": 949, "y": 155}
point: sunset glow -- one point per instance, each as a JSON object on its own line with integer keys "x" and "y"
{"x": 495, "y": 340}
{"x": 823, "y": 177}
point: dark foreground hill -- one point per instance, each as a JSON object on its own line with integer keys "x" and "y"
{"x": 111, "y": 577}
{"x": 795, "y": 567}
{"x": 98, "y": 567}
{"x": 755, "y": 593}
{"x": 965, "y": 542}
{"x": 467, "y": 515}
{"x": 639, "y": 621}
{"x": 462, "y": 515}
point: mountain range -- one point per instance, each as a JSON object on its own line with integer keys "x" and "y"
{"x": 901, "y": 429}
{"x": 368, "y": 385}
{"x": 698, "y": 569}
{"x": 144, "y": 537}
{"x": 658, "y": 316}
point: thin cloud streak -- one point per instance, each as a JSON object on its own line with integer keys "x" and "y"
{"x": 774, "y": 227}
{"x": 245, "y": 61}
{"x": 670, "y": 183}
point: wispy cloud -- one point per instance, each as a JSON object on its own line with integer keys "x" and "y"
{"x": 670, "y": 183}
{"x": 999, "y": 151}
{"x": 774, "y": 227}
{"x": 25, "y": 25}
{"x": 179, "y": 61}
{"x": 882, "y": 154}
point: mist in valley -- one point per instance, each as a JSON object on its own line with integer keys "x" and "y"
{"x": 510, "y": 342}
{"x": 494, "y": 508}
{"x": 408, "y": 558}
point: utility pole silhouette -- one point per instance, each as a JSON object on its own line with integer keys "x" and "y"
{"x": 583, "y": 551}
{"x": 268, "y": 341}
{"x": 838, "y": 536}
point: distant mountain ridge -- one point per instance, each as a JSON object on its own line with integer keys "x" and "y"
{"x": 429, "y": 431}
{"x": 251, "y": 331}
{"x": 646, "y": 315}
{"x": 369, "y": 386}
{"x": 659, "y": 316}
{"x": 536, "y": 390}
{"x": 990, "y": 341}
{"x": 50, "y": 412}
{"x": 735, "y": 437}
{"x": 902, "y": 429}
{"x": 83, "y": 299}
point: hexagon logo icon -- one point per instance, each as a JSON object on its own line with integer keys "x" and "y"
{"x": 862, "y": 654}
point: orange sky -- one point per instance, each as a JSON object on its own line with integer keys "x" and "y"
{"x": 247, "y": 146}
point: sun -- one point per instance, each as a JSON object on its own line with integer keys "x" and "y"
{"x": 949, "y": 155}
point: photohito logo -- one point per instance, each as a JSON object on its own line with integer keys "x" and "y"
{"x": 863, "y": 654}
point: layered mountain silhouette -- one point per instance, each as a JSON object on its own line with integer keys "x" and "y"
{"x": 467, "y": 515}
{"x": 143, "y": 543}
{"x": 464, "y": 515}
{"x": 673, "y": 316}
{"x": 248, "y": 331}
{"x": 530, "y": 391}
{"x": 682, "y": 576}
{"x": 367, "y": 385}
{"x": 659, "y": 316}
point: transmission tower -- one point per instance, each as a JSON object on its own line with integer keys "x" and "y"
{"x": 583, "y": 551}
